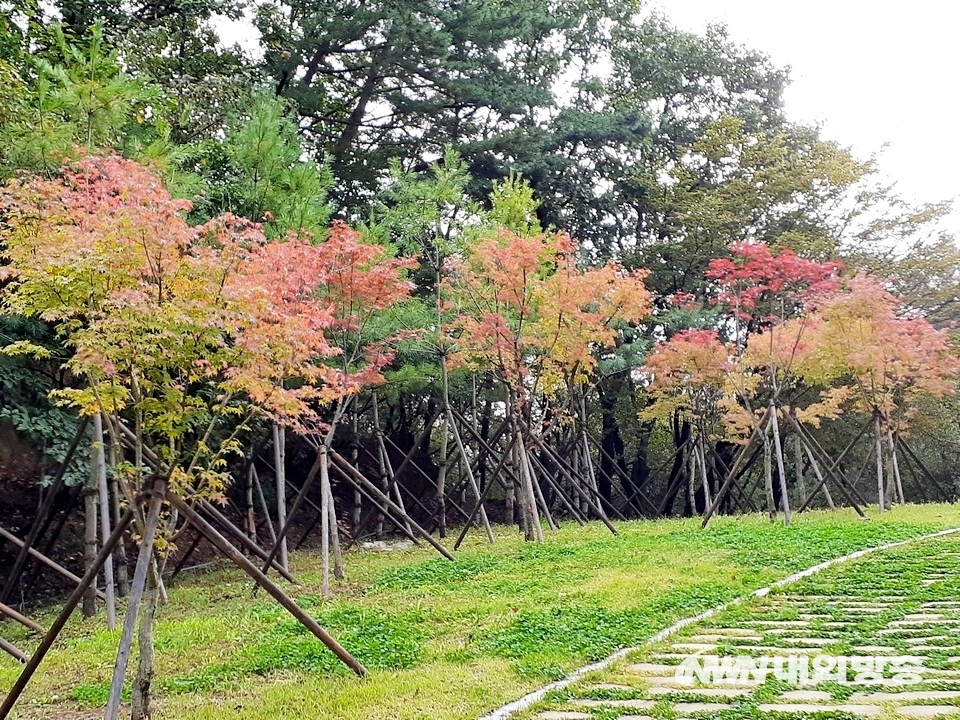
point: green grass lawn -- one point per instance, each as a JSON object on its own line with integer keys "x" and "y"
{"x": 442, "y": 639}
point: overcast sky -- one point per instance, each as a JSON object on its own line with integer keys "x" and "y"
{"x": 869, "y": 72}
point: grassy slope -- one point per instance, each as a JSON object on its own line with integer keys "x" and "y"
{"x": 445, "y": 639}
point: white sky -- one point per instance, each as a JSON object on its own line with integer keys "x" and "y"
{"x": 869, "y": 72}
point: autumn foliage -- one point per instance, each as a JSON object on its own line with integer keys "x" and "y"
{"x": 163, "y": 316}
{"x": 526, "y": 309}
{"x": 836, "y": 342}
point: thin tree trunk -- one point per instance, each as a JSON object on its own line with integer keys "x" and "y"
{"x": 798, "y": 462}
{"x": 879, "y": 451}
{"x": 279, "y": 464}
{"x": 90, "y": 542}
{"x": 768, "y": 474}
{"x": 778, "y": 448}
{"x": 532, "y": 531}
{"x": 104, "y": 506}
{"x": 140, "y": 701}
{"x": 896, "y": 466}
{"x": 325, "y": 521}
{"x": 136, "y": 595}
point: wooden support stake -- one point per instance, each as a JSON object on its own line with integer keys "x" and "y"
{"x": 100, "y": 462}
{"x": 279, "y": 463}
{"x": 144, "y": 562}
{"x": 281, "y": 542}
{"x": 725, "y": 488}
{"x": 222, "y": 544}
{"x": 34, "y": 662}
{"x": 22, "y": 619}
{"x": 13, "y": 650}
{"x": 52, "y": 564}
{"x": 778, "y": 448}
{"x": 357, "y": 477}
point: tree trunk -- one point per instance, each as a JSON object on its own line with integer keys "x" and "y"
{"x": 798, "y": 462}
{"x": 142, "y": 683}
{"x": 768, "y": 476}
{"x": 879, "y": 452}
{"x": 279, "y": 462}
{"x": 90, "y": 543}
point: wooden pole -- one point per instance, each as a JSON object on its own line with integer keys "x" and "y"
{"x": 486, "y": 492}
{"x": 829, "y": 474}
{"x": 923, "y": 468}
{"x": 472, "y": 480}
{"x": 34, "y": 662}
{"x": 275, "y": 592}
{"x": 13, "y": 650}
{"x": 725, "y": 488}
{"x": 778, "y": 448}
{"x": 357, "y": 477}
{"x": 281, "y": 543}
{"x": 22, "y": 619}
{"x": 263, "y": 506}
{"x": 324, "y": 520}
{"x": 89, "y": 606}
{"x": 279, "y": 462}
{"x": 879, "y": 451}
{"x": 144, "y": 562}
{"x": 104, "y": 492}
{"x": 798, "y": 462}
{"x": 53, "y": 565}
{"x": 896, "y": 467}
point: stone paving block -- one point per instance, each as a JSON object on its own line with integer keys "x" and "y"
{"x": 732, "y": 631}
{"x": 610, "y": 686}
{"x": 563, "y": 715}
{"x": 670, "y": 656}
{"x": 927, "y": 711}
{"x": 875, "y": 649}
{"x": 645, "y": 668}
{"x": 923, "y": 616}
{"x": 634, "y": 704}
{"x": 726, "y": 639}
{"x": 710, "y": 692}
{"x": 777, "y": 623}
{"x": 906, "y": 696}
{"x": 694, "y": 707}
{"x": 696, "y": 647}
{"x": 806, "y": 696}
{"x": 634, "y": 717}
{"x": 811, "y": 641}
{"x": 808, "y": 708}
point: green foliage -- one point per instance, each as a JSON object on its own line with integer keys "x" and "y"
{"x": 438, "y": 572}
{"x": 82, "y": 99}
{"x": 592, "y": 632}
{"x": 257, "y": 172}
{"x": 25, "y": 386}
{"x": 379, "y": 641}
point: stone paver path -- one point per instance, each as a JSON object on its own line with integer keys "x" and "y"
{"x": 882, "y": 608}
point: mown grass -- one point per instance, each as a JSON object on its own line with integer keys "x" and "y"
{"x": 441, "y": 639}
